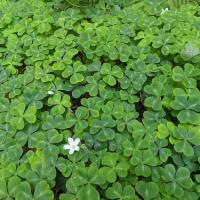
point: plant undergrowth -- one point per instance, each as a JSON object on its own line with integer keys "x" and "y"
{"x": 117, "y": 80}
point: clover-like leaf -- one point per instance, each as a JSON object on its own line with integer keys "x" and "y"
{"x": 112, "y": 168}
{"x": 86, "y": 179}
{"x": 190, "y": 50}
{"x": 74, "y": 72}
{"x": 20, "y": 113}
{"x": 154, "y": 101}
{"x": 184, "y": 141}
{"x": 111, "y": 73}
{"x": 143, "y": 160}
{"x": 94, "y": 84}
{"x": 186, "y": 76}
{"x": 60, "y": 103}
{"x": 161, "y": 148}
{"x": 165, "y": 130}
{"x": 23, "y": 190}
{"x": 93, "y": 105}
{"x": 118, "y": 192}
{"x": 68, "y": 166}
{"x": 176, "y": 181}
{"x": 188, "y": 108}
{"x": 148, "y": 190}
{"x": 123, "y": 76}
{"x": 103, "y": 129}
{"x": 51, "y": 122}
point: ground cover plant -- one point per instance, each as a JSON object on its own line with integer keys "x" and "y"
{"x": 99, "y": 100}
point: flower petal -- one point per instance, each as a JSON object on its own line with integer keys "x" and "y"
{"x": 71, "y": 151}
{"x": 66, "y": 146}
{"x": 77, "y": 148}
{"x": 70, "y": 141}
{"x": 77, "y": 140}
{"x": 50, "y": 92}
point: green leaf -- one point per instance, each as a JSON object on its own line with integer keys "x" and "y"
{"x": 88, "y": 192}
{"x": 19, "y": 109}
{"x": 76, "y": 78}
{"x": 30, "y": 114}
{"x": 154, "y": 103}
{"x": 110, "y": 159}
{"x": 163, "y": 132}
{"x": 185, "y": 147}
{"x": 169, "y": 173}
{"x": 191, "y": 50}
{"x": 17, "y": 122}
{"x": 183, "y": 177}
{"x": 110, "y": 80}
{"x": 95, "y": 176}
{"x": 178, "y": 74}
{"x": 4, "y": 104}
{"x": 148, "y": 190}
{"x": 24, "y": 191}
{"x": 13, "y": 185}
{"x": 67, "y": 197}
{"x": 43, "y": 192}
{"x": 44, "y": 27}
{"x": 188, "y": 116}
{"x": 109, "y": 174}
{"x": 3, "y": 188}
{"x": 115, "y": 191}
{"x": 117, "y": 72}
{"x": 122, "y": 169}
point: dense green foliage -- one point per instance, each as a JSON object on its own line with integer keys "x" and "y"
{"x": 179, "y": 3}
{"x": 120, "y": 76}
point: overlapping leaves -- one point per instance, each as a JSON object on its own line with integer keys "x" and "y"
{"x": 121, "y": 76}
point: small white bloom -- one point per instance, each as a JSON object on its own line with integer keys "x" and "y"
{"x": 73, "y": 145}
{"x": 51, "y": 92}
{"x": 164, "y": 10}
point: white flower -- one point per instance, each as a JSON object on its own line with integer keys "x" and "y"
{"x": 72, "y": 146}
{"x": 164, "y": 10}
{"x": 51, "y": 92}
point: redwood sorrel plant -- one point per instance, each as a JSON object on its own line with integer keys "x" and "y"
{"x": 99, "y": 100}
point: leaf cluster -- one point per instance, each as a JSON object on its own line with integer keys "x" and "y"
{"x": 121, "y": 77}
